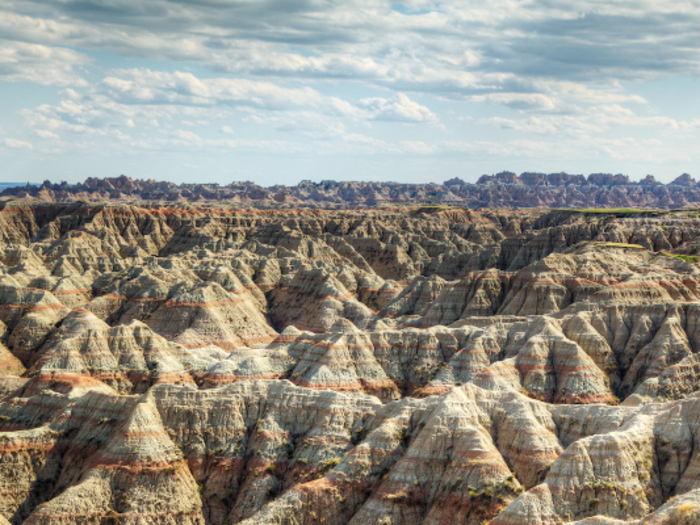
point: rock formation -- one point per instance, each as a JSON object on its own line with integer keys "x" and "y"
{"x": 503, "y": 190}
{"x": 208, "y": 364}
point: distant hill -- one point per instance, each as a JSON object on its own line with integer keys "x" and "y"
{"x": 502, "y": 190}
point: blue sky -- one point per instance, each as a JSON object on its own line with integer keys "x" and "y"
{"x": 276, "y": 91}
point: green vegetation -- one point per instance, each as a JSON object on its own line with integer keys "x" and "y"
{"x": 686, "y": 258}
{"x": 493, "y": 497}
{"x": 618, "y": 211}
{"x": 329, "y": 463}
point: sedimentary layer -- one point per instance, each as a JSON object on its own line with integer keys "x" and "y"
{"x": 208, "y": 364}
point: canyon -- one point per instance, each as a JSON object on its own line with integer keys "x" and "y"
{"x": 206, "y": 362}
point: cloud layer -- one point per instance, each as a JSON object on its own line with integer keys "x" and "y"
{"x": 480, "y": 82}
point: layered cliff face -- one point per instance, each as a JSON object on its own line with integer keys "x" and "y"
{"x": 209, "y": 365}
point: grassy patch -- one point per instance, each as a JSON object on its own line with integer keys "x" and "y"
{"x": 620, "y": 245}
{"x": 435, "y": 209}
{"x": 618, "y": 212}
{"x": 686, "y": 258}
{"x": 685, "y": 514}
{"x": 329, "y": 463}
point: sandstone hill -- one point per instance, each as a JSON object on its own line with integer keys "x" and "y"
{"x": 503, "y": 190}
{"x": 210, "y": 364}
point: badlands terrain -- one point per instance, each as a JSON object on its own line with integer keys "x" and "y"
{"x": 502, "y": 190}
{"x": 200, "y": 363}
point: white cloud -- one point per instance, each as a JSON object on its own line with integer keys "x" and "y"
{"x": 45, "y": 134}
{"x": 142, "y": 98}
{"x": 595, "y": 120}
{"x": 187, "y": 137}
{"x": 144, "y": 86}
{"x": 312, "y": 78}
{"x": 400, "y": 109}
{"x": 426, "y": 48}
{"x": 16, "y": 144}
{"x": 417, "y": 146}
{"x": 520, "y": 101}
{"x": 23, "y": 62}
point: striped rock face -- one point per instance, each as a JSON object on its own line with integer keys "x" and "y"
{"x": 212, "y": 364}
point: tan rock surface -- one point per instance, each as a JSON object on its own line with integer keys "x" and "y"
{"x": 205, "y": 364}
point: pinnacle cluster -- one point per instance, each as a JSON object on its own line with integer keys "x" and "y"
{"x": 207, "y": 363}
{"x": 502, "y": 190}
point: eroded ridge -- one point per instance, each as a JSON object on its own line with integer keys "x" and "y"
{"x": 210, "y": 365}
{"x": 504, "y": 189}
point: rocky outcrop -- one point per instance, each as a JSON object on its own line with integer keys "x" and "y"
{"x": 128, "y": 358}
{"x": 202, "y": 364}
{"x": 505, "y": 189}
{"x": 314, "y": 300}
{"x": 9, "y": 364}
{"x": 469, "y": 451}
{"x": 138, "y": 474}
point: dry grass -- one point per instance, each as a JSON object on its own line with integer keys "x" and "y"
{"x": 685, "y": 514}
{"x": 435, "y": 208}
{"x": 620, "y": 245}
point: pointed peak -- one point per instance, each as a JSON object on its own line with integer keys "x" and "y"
{"x": 81, "y": 316}
{"x": 380, "y": 326}
{"x": 290, "y": 331}
{"x": 142, "y": 439}
{"x": 343, "y": 326}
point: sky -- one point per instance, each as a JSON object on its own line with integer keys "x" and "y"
{"x": 278, "y": 91}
